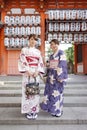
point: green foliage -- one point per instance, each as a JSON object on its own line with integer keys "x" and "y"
{"x": 70, "y": 54}
{"x": 49, "y": 52}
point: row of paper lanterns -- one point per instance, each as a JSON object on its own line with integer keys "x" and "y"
{"x": 68, "y": 26}
{"x": 22, "y": 31}
{"x": 67, "y": 14}
{"x": 68, "y": 37}
{"x": 22, "y": 20}
{"x": 18, "y": 42}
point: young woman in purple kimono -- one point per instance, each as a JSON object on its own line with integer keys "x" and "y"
{"x": 31, "y": 65}
{"x": 56, "y": 79}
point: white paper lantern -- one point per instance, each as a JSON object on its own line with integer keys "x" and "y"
{"x": 23, "y": 20}
{"x": 26, "y": 42}
{"x": 33, "y": 20}
{"x": 12, "y": 20}
{"x": 9, "y": 23}
{"x": 62, "y": 14}
{"x": 84, "y": 14}
{"x": 84, "y": 26}
{"x": 18, "y": 20}
{"x": 55, "y": 36}
{"x": 38, "y": 30}
{"x": 66, "y": 37}
{"x": 77, "y": 26}
{"x": 51, "y": 27}
{"x": 22, "y": 42}
{"x": 6, "y": 41}
{"x": 73, "y": 14}
{"x": 60, "y": 37}
{"x": 68, "y": 14}
{"x": 79, "y": 14}
{"x": 17, "y": 31}
{"x": 85, "y": 37}
{"x": 12, "y": 30}
{"x": 70, "y": 37}
{"x": 22, "y": 30}
{"x": 50, "y": 37}
{"x": 66, "y": 26}
{"x": 62, "y": 28}
{"x": 81, "y": 37}
{"x": 76, "y": 37}
{"x": 56, "y": 14}
{"x": 27, "y": 20}
{"x": 72, "y": 27}
{"x": 6, "y": 31}
{"x": 12, "y": 41}
{"x": 27, "y": 30}
{"x": 50, "y": 14}
{"x": 33, "y": 30}
{"x": 56, "y": 26}
{"x": 17, "y": 42}
{"x": 6, "y": 19}
{"x": 37, "y": 20}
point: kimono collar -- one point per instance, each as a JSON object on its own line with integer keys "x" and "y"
{"x": 31, "y": 47}
{"x": 54, "y": 55}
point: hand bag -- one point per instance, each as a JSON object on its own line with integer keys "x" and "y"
{"x": 32, "y": 88}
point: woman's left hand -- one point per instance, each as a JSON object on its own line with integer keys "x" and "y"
{"x": 60, "y": 81}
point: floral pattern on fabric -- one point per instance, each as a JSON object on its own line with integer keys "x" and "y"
{"x": 56, "y": 79}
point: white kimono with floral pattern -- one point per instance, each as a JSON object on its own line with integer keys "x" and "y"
{"x": 30, "y": 59}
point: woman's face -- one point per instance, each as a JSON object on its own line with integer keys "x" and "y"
{"x": 53, "y": 46}
{"x": 32, "y": 42}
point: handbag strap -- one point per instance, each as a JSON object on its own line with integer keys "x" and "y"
{"x": 29, "y": 79}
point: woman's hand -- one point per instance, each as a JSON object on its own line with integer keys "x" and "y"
{"x": 60, "y": 81}
{"x": 29, "y": 73}
{"x": 35, "y": 74}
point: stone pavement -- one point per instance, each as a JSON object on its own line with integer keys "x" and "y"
{"x": 71, "y": 78}
{"x": 75, "y": 106}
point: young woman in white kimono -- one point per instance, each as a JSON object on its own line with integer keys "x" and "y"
{"x": 31, "y": 65}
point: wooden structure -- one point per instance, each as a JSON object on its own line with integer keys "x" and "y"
{"x": 9, "y": 56}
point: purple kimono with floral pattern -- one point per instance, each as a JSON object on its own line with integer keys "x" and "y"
{"x": 56, "y": 79}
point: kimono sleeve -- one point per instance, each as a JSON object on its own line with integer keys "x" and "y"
{"x": 40, "y": 65}
{"x": 62, "y": 68}
{"x": 22, "y": 63}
